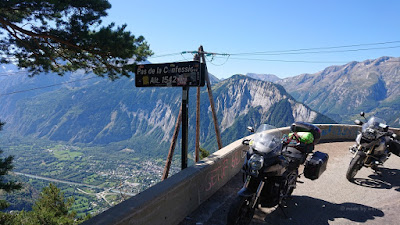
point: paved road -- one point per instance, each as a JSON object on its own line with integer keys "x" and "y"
{"x": 331, "y": 199}
{"x": 106, "y": 190}
{"x": 55, "y": 180}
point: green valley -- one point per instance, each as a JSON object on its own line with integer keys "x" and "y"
{"x": 96, "y": 179}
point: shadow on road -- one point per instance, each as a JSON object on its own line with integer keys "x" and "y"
{"x": 308, "y": 210}
{"x": 388, "y": 178}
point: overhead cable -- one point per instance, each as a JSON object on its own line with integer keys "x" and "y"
{"x": 52, "y": 85}
{"x": 318, "y": 48}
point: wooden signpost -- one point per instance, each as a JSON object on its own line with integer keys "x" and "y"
{"x": 181, "y": 74}
{"x": 185, "y": 75}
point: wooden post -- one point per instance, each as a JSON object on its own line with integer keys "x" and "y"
{"x": 183, "y": 118}
{"x": 197, "y": 144}
{"x": 210, "y": 96}
{"x": 197, "y": 148}
{"x": 173, "y": 143}
{"x": 185, "y": 126}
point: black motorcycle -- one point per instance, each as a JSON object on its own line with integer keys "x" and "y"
{"x": 271, "y": 168}
{"x": 374, "y": 144}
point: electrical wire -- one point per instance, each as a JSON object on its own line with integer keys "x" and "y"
{"x": 294, "y": 52}
{"x": 170, "y": 54}
{"x": 43, "y": 87}
{"x": 319, "y": 52}
{"x": 317, "y": 48}
{"x": 8, "y": 74}
{"x": 324, "y": 50}
{"x": 286, "y": 61}
{"x": 185, "y": 57}
{"x": 293, "y": 61}
{"x": 210, "y": 61}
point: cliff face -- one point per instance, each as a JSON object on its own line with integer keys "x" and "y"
{"x": 239, "y": 95}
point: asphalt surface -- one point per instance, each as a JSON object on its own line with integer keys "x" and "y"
{"x": 331, "y": 199}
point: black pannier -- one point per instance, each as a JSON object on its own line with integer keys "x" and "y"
{"x": 394, "y": 147}
{"x": 307, "y": 127}
{"x": 316, "y": 165}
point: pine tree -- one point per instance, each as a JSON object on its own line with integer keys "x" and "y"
{"x": 64, "y": 36}
{"x": 5, "y": 167}
{"x": 52, "y": 208}
{"x": 203, "y": 153}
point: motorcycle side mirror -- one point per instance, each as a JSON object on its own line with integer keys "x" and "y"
{"x": 358, "y": 122}
{"x": 245, "y": 142}
{"x": 363, "y": 115}
{"x": 251, "y": 129}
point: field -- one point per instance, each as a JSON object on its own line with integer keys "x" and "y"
{"x": 97, "y": 177}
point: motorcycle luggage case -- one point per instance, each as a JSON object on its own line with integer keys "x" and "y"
{"x": 394, "y": 147}
{"x": 307, "y": 127}
{"x": 316, "y": 165}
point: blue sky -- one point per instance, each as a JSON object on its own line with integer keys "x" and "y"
{"x": 264, "y": 26}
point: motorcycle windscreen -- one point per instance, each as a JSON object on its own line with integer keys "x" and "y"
{"x": 374, "y": 123}
{"x": 266, "y": 142}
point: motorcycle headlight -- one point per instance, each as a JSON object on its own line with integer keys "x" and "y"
{"x": 256, "y": 162}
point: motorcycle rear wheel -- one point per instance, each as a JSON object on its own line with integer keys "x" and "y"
{"x": 240, "y": 212}
{"x": 355, "y": 165}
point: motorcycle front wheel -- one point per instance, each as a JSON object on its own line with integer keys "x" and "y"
{"x": 291, "y": 183}
{"x": 240, "y": 212}
{"x": 355, "y": 165}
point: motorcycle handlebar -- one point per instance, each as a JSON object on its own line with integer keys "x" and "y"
{"x": 246, "y": 142}
{"x": 387, "y": 133}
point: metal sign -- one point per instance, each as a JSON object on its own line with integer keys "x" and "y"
{"x": 181, "y": 74}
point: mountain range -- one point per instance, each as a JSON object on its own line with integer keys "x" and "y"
{"x": 342, "y": 92}
{"x": 81, "y": 108}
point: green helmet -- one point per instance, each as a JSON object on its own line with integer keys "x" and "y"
{"x": 305, "y": 137}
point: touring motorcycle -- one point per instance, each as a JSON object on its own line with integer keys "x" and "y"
{"x": 271, "y": 168}
{"x": 374, "y": 145}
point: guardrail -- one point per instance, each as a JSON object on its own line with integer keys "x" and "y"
{"x": 169, "y": 201}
